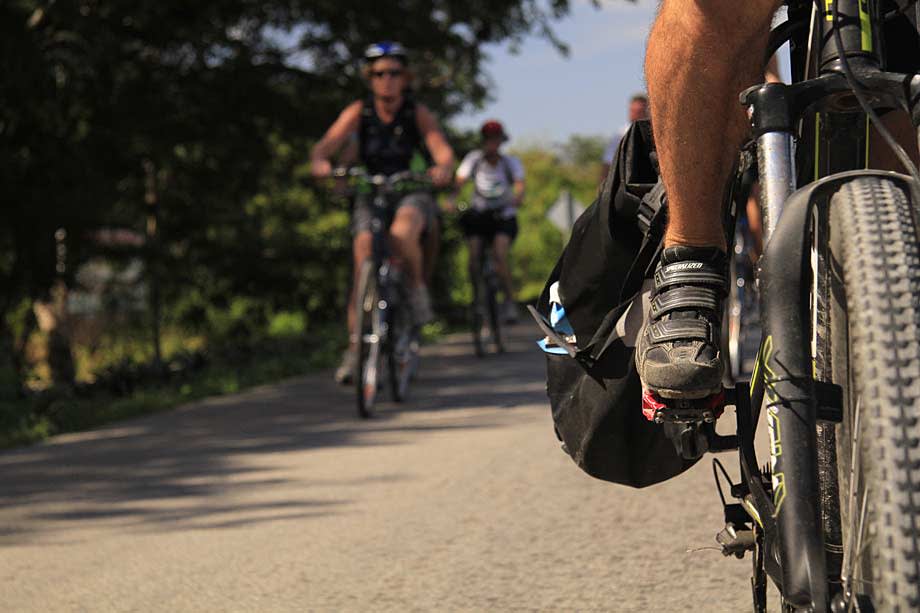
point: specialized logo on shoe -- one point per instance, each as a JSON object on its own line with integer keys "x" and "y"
{"x": 686, "y": 266}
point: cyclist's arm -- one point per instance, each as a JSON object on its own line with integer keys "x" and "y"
{"x": 519, "y": 187}
{"x": 465, "y": 170}
{"x": 338, "y": 134}
{"x": 461, "y": 178}
{"x": 519, "y": 190}
{"x": 349, "y": 155}
{"x": 437, "y": 144}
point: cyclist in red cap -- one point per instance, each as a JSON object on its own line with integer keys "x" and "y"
{"x": 499, "y": 191}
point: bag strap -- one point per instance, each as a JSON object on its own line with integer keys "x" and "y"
{"x": 506, "y": 164}
{"x": 475, "y": 171}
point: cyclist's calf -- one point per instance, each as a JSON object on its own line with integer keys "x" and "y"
{"x": 475, "y": 247}
{"x": 501, "y": 245}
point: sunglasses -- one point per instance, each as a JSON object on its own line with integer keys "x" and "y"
{"x": 379, "y": 74}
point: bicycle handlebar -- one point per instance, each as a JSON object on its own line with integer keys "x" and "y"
{"x": 381, "y": 180}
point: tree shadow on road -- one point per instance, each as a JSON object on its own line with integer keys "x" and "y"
{"x": 174, "y": 470}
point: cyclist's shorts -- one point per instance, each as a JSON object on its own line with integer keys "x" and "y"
{"x": 487, "y": 224}
{"x": 363, "y": 214}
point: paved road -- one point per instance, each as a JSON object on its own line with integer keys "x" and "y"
{"x": 279, "y": 500}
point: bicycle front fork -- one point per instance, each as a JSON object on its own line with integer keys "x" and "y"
{"x": 771, "y": 120}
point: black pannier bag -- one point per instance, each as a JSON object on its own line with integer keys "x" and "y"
{"x": 591, "y": 311}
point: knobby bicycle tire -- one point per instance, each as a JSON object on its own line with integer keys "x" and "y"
{"x": 476, "y": 317}
{"x": 874, "y": 345}
{"x": 401, "y": 356}
{"x": 368, "y": 331}
{"x": 823, "y": 347}
{"x": 495, "y": 324}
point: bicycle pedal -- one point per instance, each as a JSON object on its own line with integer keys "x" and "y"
{"x": 736, "y": 540}
{"x": 679, "y": 411}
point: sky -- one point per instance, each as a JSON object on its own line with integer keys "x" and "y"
{"x": 543, "y": 97}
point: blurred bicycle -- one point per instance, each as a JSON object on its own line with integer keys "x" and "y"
{"x": 387, "y": 341}
{"x": 486, "y": 314}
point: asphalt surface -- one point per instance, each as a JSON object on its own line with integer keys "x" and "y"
{"x": 280, "y": 499}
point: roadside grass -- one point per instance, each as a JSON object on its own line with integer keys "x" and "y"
{"x": 226, "y": 370}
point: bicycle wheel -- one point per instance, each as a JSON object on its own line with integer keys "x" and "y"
{"x": 873, "y": 345}
{"x": 476, "y": 327}
{"x": 477, "y": 321}
{"x": 402, "y": 350}
{"x": 494, "y": 315}
{"x": 369, "y": 329}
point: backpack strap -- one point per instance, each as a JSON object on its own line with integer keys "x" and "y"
{"x": 509, "y": 174}
{"x": 474, "y": 171}
{"x": 365, "y": 125}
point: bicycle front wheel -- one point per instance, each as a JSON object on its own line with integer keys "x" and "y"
{"x": 478, "y": 314}
{"x": 873, "y": 343}
{"x": 402, "y": 350}
{"x": 369, "y": 331}
{"x": 495, "y": 322}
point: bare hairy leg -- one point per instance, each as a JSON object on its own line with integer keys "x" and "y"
{"x": 701, "y": 55}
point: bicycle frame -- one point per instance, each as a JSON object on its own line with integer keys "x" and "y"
{"x": 380, "y": 249}
{"x": 784, "y": 380}
{"x": 485, "y": 270}
{"x": 485, "y": 288}
{"x": 387, "y": 283}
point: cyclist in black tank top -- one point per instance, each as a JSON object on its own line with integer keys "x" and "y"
{"x": 388, "y": 148}
{"x": 393, "y": 134}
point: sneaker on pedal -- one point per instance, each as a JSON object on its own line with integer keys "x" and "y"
{"x": 678, "y": 354}
{"x": 345, "y": 373}
{"x": 510, "y": 312}
{"x": 420, "y": 302}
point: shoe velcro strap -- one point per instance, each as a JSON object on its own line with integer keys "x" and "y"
{"x": 679, "y": 330}
{"x": 689, "y": 273}
{"x": 685, "y": 298}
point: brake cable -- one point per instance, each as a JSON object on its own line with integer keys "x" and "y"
{"x": 857, "y": 87}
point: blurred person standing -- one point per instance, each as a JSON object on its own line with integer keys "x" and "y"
{"x": 638, "y": 109}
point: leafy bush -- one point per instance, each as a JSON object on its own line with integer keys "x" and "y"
{"x": 287, "y": 323}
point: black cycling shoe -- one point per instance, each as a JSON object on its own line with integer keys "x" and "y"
{"x": 678, "y": 353}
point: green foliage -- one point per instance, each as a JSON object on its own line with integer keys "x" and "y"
{"x": 25, "y": 420}
{"x": 539, "y": 242}
{"x": 196, "y": 119}
{"x": 207, "y": 109}
{"x": 287, "y": 323}
{"x": 583, "y": 151}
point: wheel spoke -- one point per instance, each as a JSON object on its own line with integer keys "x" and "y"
{"x": 860, "y": 549}
{"x": 851, "y": 502}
